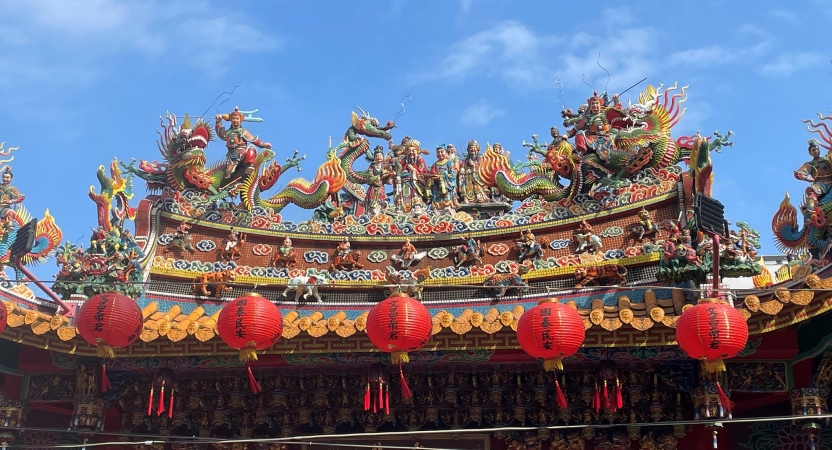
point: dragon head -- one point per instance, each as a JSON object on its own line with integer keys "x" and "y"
{"x": 369, "y": 126}
{"x": 186, "y": 144}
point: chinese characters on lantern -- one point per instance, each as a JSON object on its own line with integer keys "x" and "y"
{"x": 392, "y": 323}
{"x": 545, "y": 333}
{"x": 713, "y": 328}
{"x": 239, "y": 328}
{"x": 99, "y": 313}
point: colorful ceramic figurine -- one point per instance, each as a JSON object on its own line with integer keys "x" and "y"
{"x": 237, "y": 140}
{"x": 413, "y": 168}
{"x": 529, "y": 247}
{"x": 645, "y": 225}
{"x": 471, "y": 251}
{"x": 182, "y": 238}
{"x": 587, "y": 239}
{"x": 408, "y": 255}
{"x": 285, "y": 256}
{"x": 470, "y": 185}
{"x": 442, "y": 183}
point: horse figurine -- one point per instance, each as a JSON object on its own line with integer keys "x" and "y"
{"x": 350, "y": 261}
{"x": 588, "y": 241}
{"x": 305, "y": 287}
{"x": 531, "y": 248}
{"x": 471, "y": 252}
{"x": 231, "y": 251}
{"x": 645, "y": 226}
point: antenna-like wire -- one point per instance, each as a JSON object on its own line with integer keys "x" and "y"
{"x": 598, "y": 61}
{"x": 560, "y": 93}
{"x": 405, "y": 99}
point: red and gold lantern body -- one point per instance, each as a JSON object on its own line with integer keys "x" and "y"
{"x": 399, "y": 325}
{"x": 551, "y": 331}
{"x": 248, "y": 324}
{"x": 711, "y": 332}
{"x": 109, "y": 320}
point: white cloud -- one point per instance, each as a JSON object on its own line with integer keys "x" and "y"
{"x": 480, "y": 114}
{"x": 96, "y": 30}
{"x": 618, "y": 16}
{"x": 712, "y": 54}
{"x": 784, "y": 16}
{"x": 527, "y": 60}
{"x": 789, "y": 63}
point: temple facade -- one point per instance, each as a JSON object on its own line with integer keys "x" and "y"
{"x": 149, "y": 334}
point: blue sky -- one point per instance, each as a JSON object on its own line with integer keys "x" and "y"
{"x": 84, "y": 81}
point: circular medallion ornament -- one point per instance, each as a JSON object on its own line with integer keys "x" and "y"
{"x": 109, "y": 320}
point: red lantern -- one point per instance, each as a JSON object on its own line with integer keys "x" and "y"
{"x": 551, "y": 331}
{"x": 399, "y": 325}
{"x": 109, "y": 320}
{"x": 248, "y": 324}
{"x": 711, "y": 332}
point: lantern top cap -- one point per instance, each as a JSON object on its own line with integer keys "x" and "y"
{"x": 399, "y": 294}
{"x": 251, "y": 294}
{"x": 711, "y": 300}
{"x": 549, "y": 300}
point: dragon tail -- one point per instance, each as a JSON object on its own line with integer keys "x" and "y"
{"x": 788, "y": 238}
{"x": 496, "y": 171}
{"x": 307, "y": 194}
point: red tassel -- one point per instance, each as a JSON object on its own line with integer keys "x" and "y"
{"x": 380, "y": 399}
{"x": 561, "y": 398}
{"x": 255, "y": 386}
{"x": 367, "y": 396}
{"x": 405, "y": 388}
{"x": 170, "y": 404}
{"x": 619, "y": 401}
{"x": 607, "y": 403}
{"x": 596, "y": 401}
{"x": 150, "y": 400}
{"x": 727, "y": 404}
{"x": 161, "y": 400}
{"x": 105, "y": 382}
{"x": 387, "y": 399}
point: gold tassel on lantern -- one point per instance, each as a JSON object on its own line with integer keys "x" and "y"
{"x": 104, "y": 351}
{"x": 714, "y": 366}
{"x": 248, "y": 353}
{"x": 552, "y": 364}
{"x": 399, "y": 358}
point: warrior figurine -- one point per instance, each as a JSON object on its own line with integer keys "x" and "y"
{"x": 343, "y": 248}
{"x": 409, "y": 193}
{"x": 237, "y": 140}
{"x": 286, "y": 247}
{"x": 586, "y": 124}
{"x": 818, "y": 172}
{"x": 232, "y": 240}
{"x": 10, "y": 197}
{"x": 470, "y": 184}
{"x": 442, "y": 182}
{"x": 377, "y": 174}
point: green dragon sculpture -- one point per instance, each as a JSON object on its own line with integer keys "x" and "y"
{"x": 184, "y": 167}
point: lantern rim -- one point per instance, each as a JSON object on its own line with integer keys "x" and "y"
{"x": 251, "y": 294}
{"x": 548, "y": 300}
{"x": 399, "y": 294}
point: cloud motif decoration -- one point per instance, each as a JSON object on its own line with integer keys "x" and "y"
{"x": 377, "y": 256}
{"x": 558, "y": 244}
{"x": 316, "y": 256}
{"x": 261, "y": 249}
{"x": 612, "y": 232}
{"x": 164, "y": 239}
{"x": 206, "y": 245}
{"x": 498, "y": 249}
{"x": 614, "y": 253}
{"x": 438, "y": 253}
